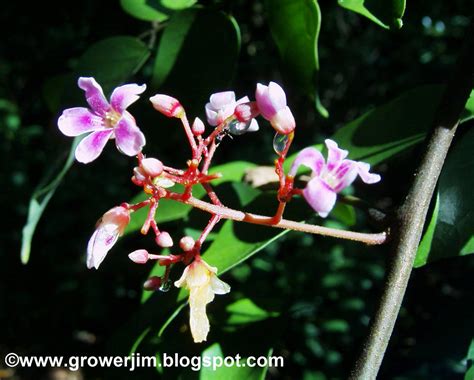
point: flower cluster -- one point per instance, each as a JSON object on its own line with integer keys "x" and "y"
{"x": 105, "y": 120}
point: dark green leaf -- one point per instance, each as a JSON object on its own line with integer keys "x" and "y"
{"x": 245, "y": 311}
{"x": 391, "y": 128}
{"x": 454, "y": 232}
{"x": 386, "y": 13}
{"x": 154, "y": 10}
{"x": 38, "y": 202}
{"x": 193, "y": 59}
{"x": 295, "y": 26}
{"x": 425, "y": 245}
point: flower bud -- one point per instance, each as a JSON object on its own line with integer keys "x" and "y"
{"x": 140, "y": 256}
{"x": 187, "y": 243}
{"x": 167, "y": 105}
{"x": 153, "y": 283}
{"x": 198, "y": 127}
{"x": 271, "y": 101}
{"x": 246, "y": 111}
{"x": 152, "y": 167}
{"x": 138, "y": 174}
{"x": 164, "y": 240}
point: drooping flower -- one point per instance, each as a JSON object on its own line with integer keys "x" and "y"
{"x": 222, "y": 105}
{"x": 110, "y": 228}
{"x": 201, "y": 281}
{"x": 271, "y": 101}
{"x": 104, "y": 120}
{"x": 331, "y": 177}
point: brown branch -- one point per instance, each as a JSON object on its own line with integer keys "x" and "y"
{"x": 410, "y": 218}
{"x": 239, "y": 216}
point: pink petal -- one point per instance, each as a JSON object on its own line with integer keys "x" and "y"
{"x": 79, "y": 120}
{"x": 140, "y": 256}
{"x": 335, "y": 155}
{"x": 264, "y": 102}
{"x": 211, "y": 115}
{"x": 221, "y": 99}
{"x": 91, "y": 147}
{"x": 102, "y": 240}
{"x": 245, "y": 99}
{"x": 277, "y": 95}
{"x": 319, "y": 196}
{"x": 94, "y": 95}
{"x": 344, "y": 175}
{"x": 129, "y": 139}
{"x": 125, "y": 95}
{"x": 309, "y": 157}
{"x": 363, "y": 170}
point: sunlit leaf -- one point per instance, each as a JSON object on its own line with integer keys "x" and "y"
{"x": 154, "y": 10}
{"x": 295, "y": 26}
{"x": 386, "y": 13}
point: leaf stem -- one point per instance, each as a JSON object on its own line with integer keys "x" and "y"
{"x": 411, "y": 215}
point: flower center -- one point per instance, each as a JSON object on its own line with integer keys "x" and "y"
{"x": 330, "y": 178}
{"x": 111, "y": 118}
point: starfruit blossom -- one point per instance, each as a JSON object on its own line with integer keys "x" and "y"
{"x": 109, "y": 229}
{"x": 104, "y": 121}
{"x": 222, "y": 105}
{"x": 201, "y": 281}
{"x": 329, "y": 177}
{"x": 271, "y": 101}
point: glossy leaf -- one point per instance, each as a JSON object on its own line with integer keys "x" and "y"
{"x": 470, "y": 358}
{"x": 454, "y": 231}
{"x": 154, "y": 10}
{"x": 295, "y": 26}
{"x": 389, "y": 129}
{"x": 241, "y": 371}
{"x": 426, "y": 242}
{"x": 38, "y": 202}
{"x": 193, "y": 60}
{"x": 386, "y": 13}
{"x": 245, "y": 311}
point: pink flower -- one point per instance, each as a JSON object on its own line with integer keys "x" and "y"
{"x": 167, "y": 105}
{"x": 111, "y": 226}
{"x": 140, "y": 256}
{"x": 105, "y": 120}
{"x": 222, "y": 105}
{"x": 329, "y": 178}
{"x": 271, "y": 101}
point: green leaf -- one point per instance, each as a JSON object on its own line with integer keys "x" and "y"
{"x": 386, "y": 13}
{"x": 389, "y": 129}
{"x": 170, "y": 210}
{"x": 470, "y": 358}
{"x": 454, "y": 232}
{"x": 245, "y": 311}
{"x": 111, "y": 62}
{"x": 295, "y": 26}
{"x": 38, "y": 202}
{"x": 236, "y": 372}
{"x": 154, "y": 10}
{"x": 197, "y": 54}
{"x": 425, "y": 245}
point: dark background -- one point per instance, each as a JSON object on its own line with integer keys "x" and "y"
{"x": 54, "y": 305}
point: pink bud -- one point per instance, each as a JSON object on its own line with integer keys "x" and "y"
{"x": 153, "y": 283}
{"x": 167, "y": 105}
{"x": 271, "y": 101}
{"x": 246, "y": 111}
{"x": 140, "y": 256}
{"x": 198, "y": 127}
{"x": 186, "y": 243}
{"x": 164, "y": 240}
{"x": 152, "y": 167}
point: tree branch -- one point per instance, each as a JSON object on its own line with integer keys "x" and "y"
{"x": 411, "y": 215}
